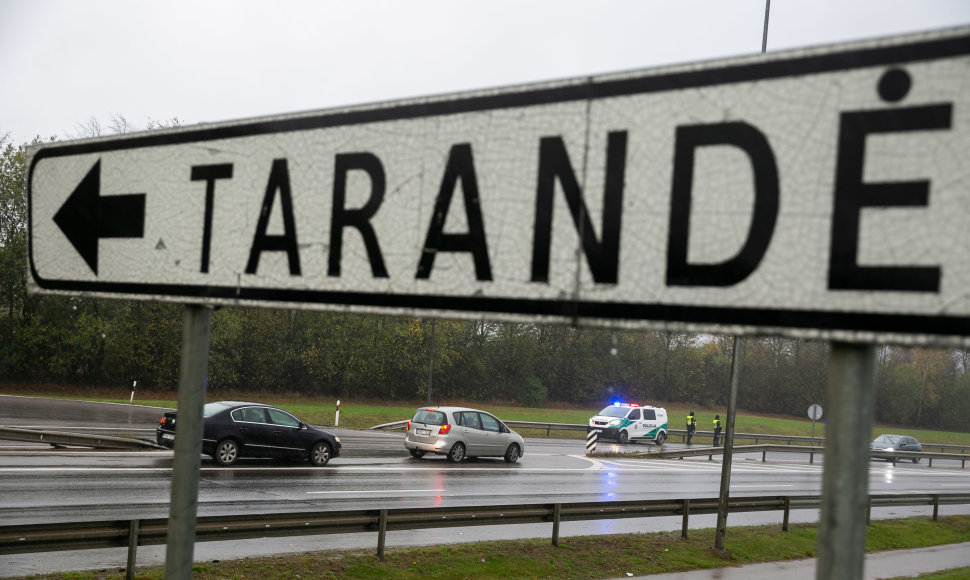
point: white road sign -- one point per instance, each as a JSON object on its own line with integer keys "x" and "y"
{"x": 815, "y": 412}
{"x": 821, "y": 192}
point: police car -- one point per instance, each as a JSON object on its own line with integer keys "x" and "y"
{"x": 630, "y": 422}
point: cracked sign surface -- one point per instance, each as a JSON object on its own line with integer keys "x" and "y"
{"x": 822, "y": 192}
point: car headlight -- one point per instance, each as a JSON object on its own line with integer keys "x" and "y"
{"x": 337, "y": 439}
{"x": 614, "y": 422}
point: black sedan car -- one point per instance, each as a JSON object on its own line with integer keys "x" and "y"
{"x": 236, "y": 429}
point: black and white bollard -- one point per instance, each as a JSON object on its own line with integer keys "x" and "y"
{"x": 591, "y": 436}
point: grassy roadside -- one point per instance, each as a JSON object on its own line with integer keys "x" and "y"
{"x": 587, "y": 557}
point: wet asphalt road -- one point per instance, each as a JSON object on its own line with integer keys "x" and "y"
{"x": 41, "y": 484}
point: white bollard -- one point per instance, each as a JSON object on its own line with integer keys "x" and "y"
{"x": 336, "y": 419}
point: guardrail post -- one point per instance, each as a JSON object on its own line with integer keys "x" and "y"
{"x": 764, "y": 456}
{"x": 381, "y": 534}
{"x": 683, "y": 526}
{"x": 133, "y": 549}
{"x": 784, "y": 522}
{"x": 868, "y": 510}
{"x": 556, "y": 514}
{"x": 936, "y": 507}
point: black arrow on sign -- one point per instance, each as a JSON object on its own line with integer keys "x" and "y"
{"x": 86, "y": 217}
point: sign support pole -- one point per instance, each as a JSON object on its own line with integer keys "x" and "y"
{"x": 193, "y": 373}
{"x": 850, "y": 398}
{"x": 722, "y": 503}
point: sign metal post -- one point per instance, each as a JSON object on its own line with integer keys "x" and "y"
{"x": 193, "y": 372}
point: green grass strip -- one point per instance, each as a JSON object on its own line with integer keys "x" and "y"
{"x": 582, "y": 557}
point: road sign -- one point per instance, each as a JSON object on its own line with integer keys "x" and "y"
{"x": 821, "y": 192}
{"x": 815, "y": 412}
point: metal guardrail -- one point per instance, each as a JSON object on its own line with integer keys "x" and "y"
{"x": 764, "y": 449}
{"x": 756, "y": 437}
{"x": 65, "y": 439}
{"x": 32, "y": 538}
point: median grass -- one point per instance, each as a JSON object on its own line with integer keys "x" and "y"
{"x": 576, "y": 557}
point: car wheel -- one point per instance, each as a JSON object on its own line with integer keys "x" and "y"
{"x": 457, "y": 452}
{"x": 512, "y": 453}
{"x": 227, "y": 452}
{"x": 320, "y": 454}
{"x": 416, "y": 453}
{"x": 916, "y": 459}
{"x": 661, "y": 437}
{"x": 623, "y": 437}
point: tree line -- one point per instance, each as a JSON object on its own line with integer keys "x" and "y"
{"x": 84, "y": 341}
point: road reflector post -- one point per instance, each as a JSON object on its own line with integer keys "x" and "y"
{"x": 591, "y": 438}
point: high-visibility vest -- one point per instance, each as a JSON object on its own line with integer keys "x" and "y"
{"x": 690, "y": 420}
{"x": 717, "y": 423}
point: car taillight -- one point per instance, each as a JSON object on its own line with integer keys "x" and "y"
{"x": 408, "y": 428}
{"x": 444, "y": 429}
{"x": 162, "y": 421}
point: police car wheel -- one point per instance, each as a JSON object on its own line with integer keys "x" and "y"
{"x": 661, "y": 437}
{"x": 623, "y": 437}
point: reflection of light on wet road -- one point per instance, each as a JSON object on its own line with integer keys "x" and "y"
{"x": 887, "y": 476}
{"x": 609, "y": 483}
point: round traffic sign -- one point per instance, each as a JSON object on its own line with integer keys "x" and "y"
{"x": 815, "y": 412}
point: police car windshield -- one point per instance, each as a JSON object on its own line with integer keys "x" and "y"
{"x": 615, "y": 411}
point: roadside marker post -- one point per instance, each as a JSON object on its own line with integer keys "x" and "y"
{"x": 591, "y": 438}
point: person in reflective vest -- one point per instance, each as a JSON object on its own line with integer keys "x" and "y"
{"x": 691, "y": 426}
{"x": 717, "y": 429}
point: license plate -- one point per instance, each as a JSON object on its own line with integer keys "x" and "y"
{"x": 168, "y": 436}
{"x": 423, "y": 431}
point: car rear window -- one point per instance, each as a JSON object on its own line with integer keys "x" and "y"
{"x": 429, "y": 417}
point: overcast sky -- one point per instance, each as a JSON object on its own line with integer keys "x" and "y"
{"x": 63, "y": 62}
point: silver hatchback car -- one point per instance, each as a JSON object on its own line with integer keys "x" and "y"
{"x": 460, "y": 432}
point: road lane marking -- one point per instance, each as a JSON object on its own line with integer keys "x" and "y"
{"x": 761, "y": 486}
{"x": 389, "y": 491}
